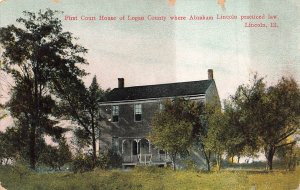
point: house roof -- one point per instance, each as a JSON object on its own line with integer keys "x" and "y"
{"x": 159, "y": 90}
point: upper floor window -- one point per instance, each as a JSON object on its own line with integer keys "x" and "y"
{"x": 115, "y": 113}
{"x": 138, "y": 112}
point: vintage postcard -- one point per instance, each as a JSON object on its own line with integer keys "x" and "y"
{"x": 117, "y": 94}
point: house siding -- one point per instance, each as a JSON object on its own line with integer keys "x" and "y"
{"x": 212, "y": 96}
{"x": 126, "y": 127}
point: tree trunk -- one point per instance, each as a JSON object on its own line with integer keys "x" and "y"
{"x": 35, "y": 121}
{"x": 218, "y": 159}
{"x": 207, "y": 159}
{"x": 269, "y": 153}
{"x": 32, "y": 141}
{"x": 32, "y": 147}
{"x": 93, "y": 141}
{"x": 173, "y": 157}
{"x": 99, "y": 143}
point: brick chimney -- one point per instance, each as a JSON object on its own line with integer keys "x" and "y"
{"x": 120, "y": 82}
{"x": 210, "y": 74}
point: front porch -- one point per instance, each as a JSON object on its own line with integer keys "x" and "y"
{"x": 139, "y": 151}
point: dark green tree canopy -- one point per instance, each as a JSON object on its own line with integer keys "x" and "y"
{"x": 41, "y": 47}
{"x": 82, "y": 105}
{"x": 39, "y": 55}
{"x": 267, "y": 116}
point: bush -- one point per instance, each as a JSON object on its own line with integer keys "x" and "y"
{"x": 190, "y": 165}
{"x": 82, "y": 163}
{"x": 21, "y": 168}
{"x": 109, "y": 159}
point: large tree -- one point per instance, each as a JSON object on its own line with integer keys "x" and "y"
{"x": 270, "y": 114}
{"x": 37, "y": 54}
{"x": 242, "y": 141}
{"x": 82, "y": 105}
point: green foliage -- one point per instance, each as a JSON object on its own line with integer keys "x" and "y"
{"x": 218, "y": 136}
{"x": 191, "y": 165}
{"x": 109, "y": 159}
{"x": 242, "y": 140}
{"x": 56, "y": 157}
{"x": 9, "y": 145}
{"x": 267, "y": 116}
{"x": 151, "y": 178}
{"x": 165, "y": 134}
{"x": 174, "y": 128}
{"x": 38, "y": 54}
{"x": 289, "y": 155}
{"x": 82, "y": 105}
{"x": 83, "y": 163}
{"x": 20, "y": 168}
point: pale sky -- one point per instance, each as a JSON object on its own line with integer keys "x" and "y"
{"x": 153, "y": 52}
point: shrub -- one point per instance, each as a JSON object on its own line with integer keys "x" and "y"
{"x": 190, "y": 165}
{"x": 82, "y": 163}
{"x": 109, "y": 159}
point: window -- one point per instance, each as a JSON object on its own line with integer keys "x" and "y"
{"x": 138, "y": 112}
{"x": 115, "y": 113}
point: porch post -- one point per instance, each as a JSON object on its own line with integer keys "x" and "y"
{"x": 131, "y": 150}
{"x": 138, "y": 149}
{"x": 123, "y": 141}
{"x": 158, "y": 154}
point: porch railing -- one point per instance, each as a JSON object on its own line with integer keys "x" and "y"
{"x": 145, "y": 158}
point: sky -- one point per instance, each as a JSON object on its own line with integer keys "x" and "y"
{"x": 153, "y": 52}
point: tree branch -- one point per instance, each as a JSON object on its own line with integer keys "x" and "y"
{"x": 285, "y": 135}
{"x": 285, "y": 144}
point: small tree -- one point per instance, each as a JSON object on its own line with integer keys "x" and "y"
{"x": 82, "y": 105}
{"x": 56, "y": 157}
{"x": 217, "y": 136}
{"x": 171, "y": 134}
{"x": 172, "y": 128}
{"x": 65, "y": 155}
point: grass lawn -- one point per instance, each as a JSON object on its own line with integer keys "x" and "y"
{"x": 148, "y": 178}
